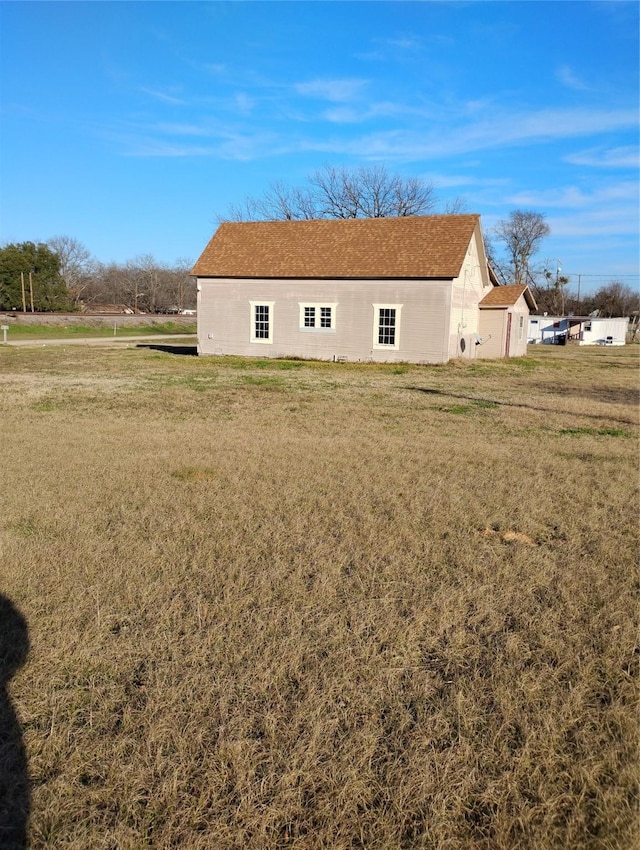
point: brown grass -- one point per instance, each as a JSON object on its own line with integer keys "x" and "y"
{"x": 283, "y": 604}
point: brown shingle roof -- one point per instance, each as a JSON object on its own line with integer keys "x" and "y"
{"x": 411, "y": 247}
{"x": 506, "y": 296}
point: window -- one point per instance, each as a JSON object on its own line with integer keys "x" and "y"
{"x": 520, "y": 327}
{"x": 386, "y": 326}
{"x": 261, "y": 321}
{"x": 587, "y": 326}
{"x": 318, "y": 317}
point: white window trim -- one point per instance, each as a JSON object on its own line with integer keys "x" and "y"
{"x": 520, "y": 326}
{"x": 261, "y": 341}
{"x": 376, "y": 325}
{"x": 317, "y": 305}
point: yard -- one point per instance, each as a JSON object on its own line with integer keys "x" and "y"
{"x": 293, "y": 604}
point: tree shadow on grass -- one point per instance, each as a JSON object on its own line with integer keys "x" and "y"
{"x": 14, "y": 777}
{"x": 190, "y": 350}
{"x": 493, "y": 401}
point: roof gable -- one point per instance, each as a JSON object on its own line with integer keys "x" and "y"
{"x": 403, "y": 247}
{"x": 507, "y": 296}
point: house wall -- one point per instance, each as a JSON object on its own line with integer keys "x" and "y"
{"x": 493, "y": 331}
{"x": 496, "y": 332}
{"x": 467, "y": 291}
{"x": 519, "y": 328}
{"x": 225, "y": 318}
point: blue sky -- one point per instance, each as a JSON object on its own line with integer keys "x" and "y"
{"x": 133, "y": 126}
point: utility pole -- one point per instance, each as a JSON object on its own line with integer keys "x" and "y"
{"x": 31, "y": 290}
{"x": 558, "y": 270}
{"x": 579, "y": 308}
{"x": 24, "y": 299}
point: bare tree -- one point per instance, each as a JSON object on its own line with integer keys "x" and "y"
{"x": 142, "y": 285}
{"x": 76, "y": 264}
{"x": 549, "y": 289}
{"x": 521, "y": 234}
{"x": 366, "y": 192}
{"x": 497, "y": 267}
{"x": 146, "y": 277}
{"x": 456, "y": 205}
{"x": 613, "y": 300}
{"x": 178, "y": 291}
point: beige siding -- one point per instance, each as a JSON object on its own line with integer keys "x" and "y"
{"x": 467, "y": 291}
{"x": 501, "y": 327}
{"x": 518, "y": 341}
{"x": 493, "y": 329}
{"x": 225, "y": 318}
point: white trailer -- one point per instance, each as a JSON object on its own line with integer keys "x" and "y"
{"x": 583, "y": 330}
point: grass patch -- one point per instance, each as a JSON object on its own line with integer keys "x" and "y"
{"x": 328, "y": 619}
{"x": 474, "y": 405}
{"x": 457, "y": 408}
{"x": 191, "y": 473}
{"x": 267, "y": 381}
{"x": 486, "y": 405}
{"x": 597, "y": 432}
{"x": 72, "y": 331}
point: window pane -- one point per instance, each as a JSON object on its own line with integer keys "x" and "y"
{"x": 262, "y": 321}
{"x": 387, "y": 326}
{"x": 309, "y": 317}
{"x": 325, "y": 317}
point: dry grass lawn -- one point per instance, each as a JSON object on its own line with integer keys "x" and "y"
{"x": 280, "y": 604}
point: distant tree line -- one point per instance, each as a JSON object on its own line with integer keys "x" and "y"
{"x": 374, "y": 192}
{"x": 61, "y": 275}
{"x": 520, "y": 237}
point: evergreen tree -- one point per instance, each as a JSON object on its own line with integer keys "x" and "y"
{"x": 30, "y": 278}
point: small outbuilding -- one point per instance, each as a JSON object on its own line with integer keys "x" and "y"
{"x": 412, "y": 289}
{"x": 581, "y": 330}
{"x": 504, "y": 318}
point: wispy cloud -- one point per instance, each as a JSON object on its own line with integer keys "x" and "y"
{"x": 408, "y": 131}
{"x": 336, "y": 91}
{"x": 243, "y": 103}
{"x": 570, "y": 79}
{"x": 171, "y": 129}
{"x": 597, "y": 222}
{"x": 621, "y": 157}
{"x": 403, "y": 43}
{"x": 454, "y": 180}
{"x": 342, "y": 115}
{"x": 574, "y": 197}
{"x": 160, "y": 148}
{"x": 165, "y": 96}
{"x": 217, "y": 141}
{"x": 402, "y": 47}
{"x": 500, "y": 131}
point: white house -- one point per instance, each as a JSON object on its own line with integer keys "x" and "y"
{"x": 583, "y": 330}
{"x": 386, "y": 289}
